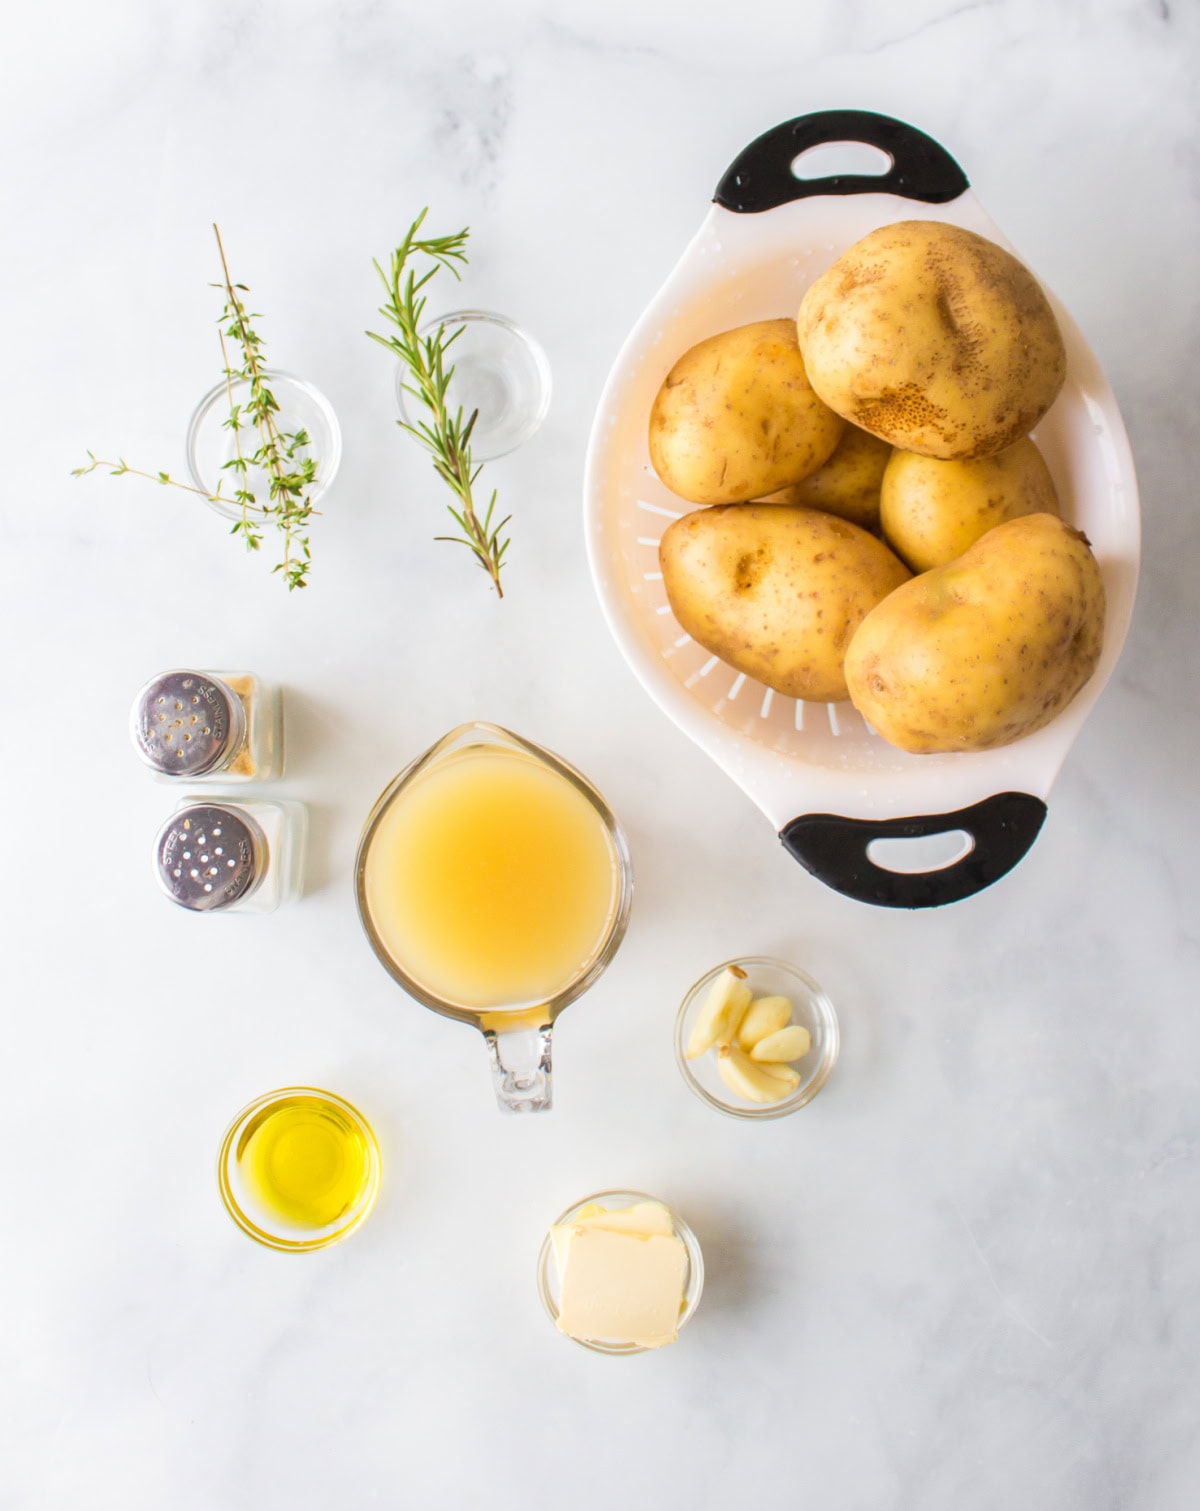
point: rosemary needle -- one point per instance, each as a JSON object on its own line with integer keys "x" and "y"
{"x": 446, "y": 434}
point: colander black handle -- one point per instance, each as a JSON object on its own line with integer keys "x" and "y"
{"x": 761, "y": 177}
{"x": 834, "y": 849}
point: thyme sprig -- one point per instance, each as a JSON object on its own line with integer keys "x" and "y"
{"x": 290, "y": 475}
{"x": 446, "y": 435}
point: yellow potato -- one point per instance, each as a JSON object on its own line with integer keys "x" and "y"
{"x": 736, "y": 417}
{"x": 989, "y": 648}
{"x": 934, "y": 339}
{"x": 776, "y": 591}
{"x": 932, "y": 511}
{"x": 847, "y": 484}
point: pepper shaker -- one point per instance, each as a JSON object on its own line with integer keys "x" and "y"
{"x": 206, "y": 726}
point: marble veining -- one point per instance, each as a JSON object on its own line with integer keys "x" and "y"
{"x": 967, "y": 1275}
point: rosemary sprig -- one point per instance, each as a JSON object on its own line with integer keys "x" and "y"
{"x": 290, "y": 476}
{"x": 445, "y": 435}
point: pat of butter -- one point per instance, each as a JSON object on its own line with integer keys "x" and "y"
{"x": 560, "y": 1236}
{"x": 644, "y": 1217}
{"x": 620, "y": 1285}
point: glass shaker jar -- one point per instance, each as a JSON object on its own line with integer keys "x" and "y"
{"x": 206, "y": 726}
{"x": 232, "y": 856}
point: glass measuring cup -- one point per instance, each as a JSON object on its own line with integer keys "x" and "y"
{"x": 494, "y": 884}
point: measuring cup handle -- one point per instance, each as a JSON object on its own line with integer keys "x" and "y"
{"x": 521, "y": 1068}
{"x": 761, "y": 177}
{"x": 834, "y": 850}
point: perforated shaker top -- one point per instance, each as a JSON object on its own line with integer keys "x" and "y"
{"x": 209, "y": 855}
{"x": 185, "y": 724}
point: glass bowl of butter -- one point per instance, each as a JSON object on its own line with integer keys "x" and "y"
{"x": 620, "y": 1273}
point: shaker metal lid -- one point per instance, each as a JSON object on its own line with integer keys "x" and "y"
{"x": 185, "y": 723}
{"x": 209, "y": 855}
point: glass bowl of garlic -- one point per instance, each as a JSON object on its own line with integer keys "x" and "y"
{"x": 756, "y": 1038}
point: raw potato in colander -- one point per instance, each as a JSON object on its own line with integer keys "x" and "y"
{"x": 847, "y": 484}
{"x": 978, "y": 653}
{"x": 736, "y": 417}
{"x": 933, "y": 338}
{"x": 776, "y": 591}
{"x": 932, "y": 511}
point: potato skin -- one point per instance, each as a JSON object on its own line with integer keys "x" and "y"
{"x": 776, "y": 591}
{"x": 736, "y": 417}
{"x": 847, "y": 484}
{"x": 932, "y": 511}
{"x": 985, "y": 650}
{"x": 933, "y": 338}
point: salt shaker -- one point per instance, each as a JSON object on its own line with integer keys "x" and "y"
{"x": 205, "y": 726}
{"x": 231, "y": 855}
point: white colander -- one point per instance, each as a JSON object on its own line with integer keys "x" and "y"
{"x": 831, "y": 786}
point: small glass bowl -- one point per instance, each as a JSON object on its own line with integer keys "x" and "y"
{"x": 499, "y": 369}
{"x": 547, "y": 1270}
{"x": 210, "y": 442}
{"x": 810, "y": 1007}
{"x": 266, "y": 1227}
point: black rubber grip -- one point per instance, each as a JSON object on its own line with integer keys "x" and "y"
{"x": 761, "y": 177}
{"x": 834, "y": 849}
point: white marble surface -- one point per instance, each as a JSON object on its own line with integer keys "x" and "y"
{"x": 969, "y": 1274}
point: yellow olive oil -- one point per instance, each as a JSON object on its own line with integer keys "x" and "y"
{"x": 492, "y": 880}
{"x": 304, "y": 1161}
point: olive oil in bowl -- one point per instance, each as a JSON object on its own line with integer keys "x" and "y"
{"x": 299, "y": 1169}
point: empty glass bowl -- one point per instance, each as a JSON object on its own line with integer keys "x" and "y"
{"x": 810, "y": 1007}
{"x": 548, "y": 1279}
{"x": 211, "y": 444}
{"x": 499, "y": 370}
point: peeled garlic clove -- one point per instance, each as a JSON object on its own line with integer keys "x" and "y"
{"x": 779, "y": 1070}
{"x": 728, "y": 997}
{"x": 755, "y": 1083}
{"x": 790, "y": 1043}
{"x": 765, "y": 1015}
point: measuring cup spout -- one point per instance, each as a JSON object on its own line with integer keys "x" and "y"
{"x": 521, "y": 1068}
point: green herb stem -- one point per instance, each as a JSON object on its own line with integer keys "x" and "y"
{"x": 446, "y": 435}
{"x": 290, "y": 477}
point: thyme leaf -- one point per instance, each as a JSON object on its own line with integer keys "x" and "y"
{"x": 290, "y": 477}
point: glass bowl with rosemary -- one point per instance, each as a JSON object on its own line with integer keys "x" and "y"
{"x": 499, "y": 373}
